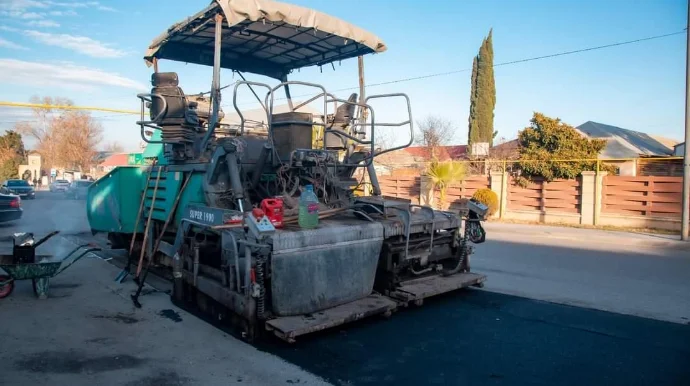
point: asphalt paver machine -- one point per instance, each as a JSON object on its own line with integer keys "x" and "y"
{"x": 193, "y": 208}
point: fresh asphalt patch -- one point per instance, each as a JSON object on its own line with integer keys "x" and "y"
{"x": 483, "y": 338}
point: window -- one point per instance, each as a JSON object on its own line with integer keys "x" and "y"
{"x": 17, "y": 183}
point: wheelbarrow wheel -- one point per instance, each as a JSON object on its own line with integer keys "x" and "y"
{"x": 6, "y": 289}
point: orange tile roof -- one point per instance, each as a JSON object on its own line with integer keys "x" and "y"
{"x": 116, "y": 160}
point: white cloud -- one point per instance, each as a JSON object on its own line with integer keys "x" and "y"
{"x": 22, "y": 15}
{"x": 21, "y": 4}
{"x": 81, "y": 44}
{"x": 71, "y": 76}
{"x": 68, "y": 12}
{"x": 43, "y": 23}
{"x": 8, "y": 29}
{"x": 106, "y": 8}
{"x": 9, "y": 44}
{"x": 18, "y": 9}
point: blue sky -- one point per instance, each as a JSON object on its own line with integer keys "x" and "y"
{"x": 92, "y": 53}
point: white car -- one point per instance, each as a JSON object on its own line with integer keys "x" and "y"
{"x": 59, "y": 186}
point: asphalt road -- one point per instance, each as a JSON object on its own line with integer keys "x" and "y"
{"x": 490, "y": 337}
{"x": 642, "y": 275}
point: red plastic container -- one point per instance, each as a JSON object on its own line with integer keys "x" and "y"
{"x": 273, "y": 208}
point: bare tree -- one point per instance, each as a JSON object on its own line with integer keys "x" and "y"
{"x": 114, "y": 147}
{"x": 64, "y": 137}
{"x": 433, "y": 132}
{"x": 383, "y": 140}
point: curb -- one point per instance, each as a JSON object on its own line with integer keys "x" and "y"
{"x": 610, "y": 238}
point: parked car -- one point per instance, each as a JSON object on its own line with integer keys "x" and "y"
{"x": 20, "y": 188}
{"x": 77, "y": 189}
{"x": 10, "y": 207}
{"x": 59, "y": 186}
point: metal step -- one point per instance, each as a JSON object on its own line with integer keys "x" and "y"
{"x": 419, "y": 289}
{"x": 290, "y": 327}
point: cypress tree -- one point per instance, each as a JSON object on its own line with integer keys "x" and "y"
{"x": 482, "y": 95}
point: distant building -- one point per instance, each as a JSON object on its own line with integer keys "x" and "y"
{"x": 639, "y": 153}
{"x": 415, "y": 157}
{"x": 111, "y": 162}
{"x": 33, "y": 168}
{"x": 679, "y": 150}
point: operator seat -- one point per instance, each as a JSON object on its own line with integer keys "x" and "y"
{"x": 345, "y": 112}
{"x": 342, "y": 118}
{"x": 176, "y": 110}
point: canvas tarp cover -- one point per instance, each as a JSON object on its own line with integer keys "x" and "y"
{"x": 264, "y": 37}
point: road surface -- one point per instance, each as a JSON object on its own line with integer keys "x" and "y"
{"x": 643, "y": 275}
{"x": 476, "y": 337}
{"x": 88, "y": 332}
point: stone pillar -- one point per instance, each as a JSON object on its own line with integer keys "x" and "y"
{"x": 598, "y": 195}
{"x": 426, "y": 191}
{"x": 499, "y": 185}
{"x": 587, "y": 198}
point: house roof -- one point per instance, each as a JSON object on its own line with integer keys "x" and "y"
{"x": 118, "y": 159}
{"x": 443, "y": 153}
{"x": 624, "y": 143}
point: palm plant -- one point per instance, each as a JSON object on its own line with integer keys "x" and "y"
{"x": 445, "y": 173}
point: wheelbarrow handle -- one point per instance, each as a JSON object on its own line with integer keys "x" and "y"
{"x": 45, "y": 238}
{"x": 86, "y": 252}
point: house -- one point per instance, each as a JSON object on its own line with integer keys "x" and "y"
{"x": 679, "y": 150}
{"x": 411, "y": 159}
{"x": 633, "y": 152}
{"x": 508, "y": 150}
{"x": 111, "y": 162}
{"x": 33, "y": 168}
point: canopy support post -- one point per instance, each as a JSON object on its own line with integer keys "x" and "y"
{"x": 362, "y": 96}
{"x": 287, "y": 93}
{"x": 215, "y": 87}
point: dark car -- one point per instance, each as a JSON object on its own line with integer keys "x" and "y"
{"x": 10, "y": 207}
{"x": 20, "y": 188}
{"x": 78, "y": 189}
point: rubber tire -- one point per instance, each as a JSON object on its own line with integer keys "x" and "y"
{"x": 3, "y": 291}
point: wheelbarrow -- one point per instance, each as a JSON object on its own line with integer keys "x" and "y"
{"x": 25, "y": 264}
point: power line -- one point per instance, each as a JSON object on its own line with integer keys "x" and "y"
{"x": 524, "y": 60}
{"x": 66, "y": 107}
{"x": 563, "y": 53}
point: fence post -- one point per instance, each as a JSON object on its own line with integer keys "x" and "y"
{"x": 587, "y": 198}
{"x": 599, "y": 198}
{"x": 426, "y": 191}
{"x": 498, "y": 185}
{"x": 649, "y": 196}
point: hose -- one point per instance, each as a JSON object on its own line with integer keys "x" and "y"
{"x": 463, "y": 255}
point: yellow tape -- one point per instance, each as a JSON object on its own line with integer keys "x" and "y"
{"x": 59, "y": 107}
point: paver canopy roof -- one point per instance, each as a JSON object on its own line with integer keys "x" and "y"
{"x": 263, "y": 37}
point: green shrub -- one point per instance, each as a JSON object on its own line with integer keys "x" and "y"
{"x": 487, "y": 197}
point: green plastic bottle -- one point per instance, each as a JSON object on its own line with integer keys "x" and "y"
{"x": 308, "y": 216}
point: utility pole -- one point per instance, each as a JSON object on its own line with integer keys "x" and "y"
{"x": 362, "y": 91}
{"x": 685, "y": 218}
